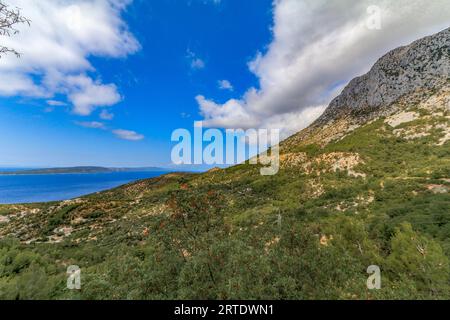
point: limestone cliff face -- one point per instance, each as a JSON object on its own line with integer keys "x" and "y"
{"x": 422, "y": 65}
{"x": 404, "y": 77}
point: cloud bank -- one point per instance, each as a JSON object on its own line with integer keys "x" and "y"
{"x": 56, "y": 49}
{"x": 317, "y": 47}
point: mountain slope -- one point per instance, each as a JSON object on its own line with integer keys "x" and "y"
{"x": 403, "y": 77}
{"x": 366, "y": 184}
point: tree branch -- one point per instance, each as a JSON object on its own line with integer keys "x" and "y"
{"x": 9, "y": 18}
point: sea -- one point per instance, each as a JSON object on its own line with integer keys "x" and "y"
{"x": 55, "y": 187}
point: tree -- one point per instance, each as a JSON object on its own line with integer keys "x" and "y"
{"x": 9, "y": 19}
{"x": 417, "y": 257}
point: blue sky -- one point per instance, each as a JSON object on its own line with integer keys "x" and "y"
{"x": 158, "y": 86}
{"x": 105, "y": 82}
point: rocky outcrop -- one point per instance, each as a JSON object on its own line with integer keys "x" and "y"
{"x": 403, "y": 77}
{"x": 424, "y": 64}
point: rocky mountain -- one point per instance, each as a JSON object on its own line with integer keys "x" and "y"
{"x": 367, "y": 184}
{"x": 404, "y": 74}
{"x": 421, "y": 66}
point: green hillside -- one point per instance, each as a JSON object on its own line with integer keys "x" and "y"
{"x": 376, "y": 196}
{"x": 351, "y": 192}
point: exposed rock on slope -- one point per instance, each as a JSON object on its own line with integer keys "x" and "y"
{"x": 424, "y": 64}
{"x": 366, "y": 184}
{"x": 402, "y": 77}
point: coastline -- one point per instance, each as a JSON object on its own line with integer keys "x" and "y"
{"x": 42, "y": 188}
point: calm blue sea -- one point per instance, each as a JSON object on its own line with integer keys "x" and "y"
{"x": 54, "y": 187}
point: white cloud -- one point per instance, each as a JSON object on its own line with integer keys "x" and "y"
{"x": 86, "y": 94}
{"x": 128, "y": 135}
{"x": 185, "y": 115}
{"x": 91, "y": 124}
{"x": 317, "y": 47}
{"x": 231, "y": 114}
{"x": 225, "y": 85}
{"x": 195, "y": 62}
{"x": 56, "y": 103}
{"x": 106, "y": 115}
{"x": 56, "y": 49}
{"x": 119, "y": 133}
{"x": 13, "y": 83}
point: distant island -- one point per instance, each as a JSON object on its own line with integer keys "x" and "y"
{"x": 75, "y": 170}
